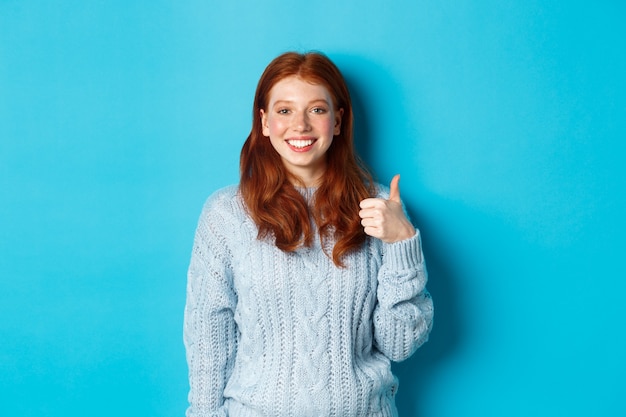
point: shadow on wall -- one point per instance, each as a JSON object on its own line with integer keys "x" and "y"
{"x": 355, "y": 72}
{"x": 416, "y": 372}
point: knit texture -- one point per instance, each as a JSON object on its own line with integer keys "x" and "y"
{"x": 270, "y": 333}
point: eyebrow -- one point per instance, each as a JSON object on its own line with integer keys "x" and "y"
{"x": 309, "y": 103}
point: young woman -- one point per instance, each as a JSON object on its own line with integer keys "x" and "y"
{"x": 307, "y": 278}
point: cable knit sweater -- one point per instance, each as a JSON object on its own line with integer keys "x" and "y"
{"x": 270, "y": 333}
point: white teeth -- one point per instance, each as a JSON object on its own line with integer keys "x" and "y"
{"x": 300, "y": 143}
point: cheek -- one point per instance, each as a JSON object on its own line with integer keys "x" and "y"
{"x": 276, "y": 126}
{"x": 327, "y": 125}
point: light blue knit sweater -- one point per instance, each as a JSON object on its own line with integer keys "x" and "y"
{"x": 270, "y": 333}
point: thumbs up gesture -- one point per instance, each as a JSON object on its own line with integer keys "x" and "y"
{"x": 385, "y": 219}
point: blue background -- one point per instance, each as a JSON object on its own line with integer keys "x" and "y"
{"x": 506, "y": 120}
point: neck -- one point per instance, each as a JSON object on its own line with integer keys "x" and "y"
{"x": 306, "y": 179}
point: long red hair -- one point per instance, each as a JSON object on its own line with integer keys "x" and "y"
{"x": 272, "y": 201}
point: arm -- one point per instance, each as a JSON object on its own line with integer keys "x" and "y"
{"x": 403, "y": 316}
{"x": 210, "y": 333}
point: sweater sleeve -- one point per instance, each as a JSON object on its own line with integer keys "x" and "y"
{"x": 403, "y": 316}
{"x": 210, "y": 333}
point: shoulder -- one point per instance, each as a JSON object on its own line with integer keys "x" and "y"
{"x": 224, "y": 203}
{"x": 223, "y": 196}
{"x": 223, "y": 219}
{"x": 382, "y": 191}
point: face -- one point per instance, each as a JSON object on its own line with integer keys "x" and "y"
{"x": 301, "y": 121}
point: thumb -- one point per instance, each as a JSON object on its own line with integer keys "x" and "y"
{"x": 394, "y": 189}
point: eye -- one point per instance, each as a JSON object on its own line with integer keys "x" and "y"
{"x": 319, "y": 110}
{"x": 282, "y": 111}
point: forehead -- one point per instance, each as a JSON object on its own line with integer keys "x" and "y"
{"x": 294, "y": 88}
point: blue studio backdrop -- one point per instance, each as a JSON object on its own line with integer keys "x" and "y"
{"x": 506, "y": 120}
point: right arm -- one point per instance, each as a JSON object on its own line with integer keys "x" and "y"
{"x": 210, "y": 333}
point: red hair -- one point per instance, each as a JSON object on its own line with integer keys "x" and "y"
{"x": 277, "y": 208}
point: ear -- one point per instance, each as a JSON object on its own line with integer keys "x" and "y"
{"x": 338, "y": 117}
{"x": 264, "y": 123}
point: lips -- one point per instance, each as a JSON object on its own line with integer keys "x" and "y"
{"x": 300, "y": 145}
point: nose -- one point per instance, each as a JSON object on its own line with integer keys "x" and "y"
{"x": 301, "y": 122}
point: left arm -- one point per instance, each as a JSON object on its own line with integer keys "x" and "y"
{"x": 403, "y": 315}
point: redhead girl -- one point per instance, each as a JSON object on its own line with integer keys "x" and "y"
{"x": 307, "y": 279}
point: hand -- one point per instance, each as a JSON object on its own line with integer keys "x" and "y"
{"x": 385, "y": 219}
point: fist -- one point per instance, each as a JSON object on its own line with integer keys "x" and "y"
{"x": 385, "y": 219}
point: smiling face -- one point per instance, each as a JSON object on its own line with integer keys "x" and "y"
{"x": 301, "y": 121}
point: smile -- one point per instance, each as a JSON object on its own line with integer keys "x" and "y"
{"x": 300, "y": 143}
